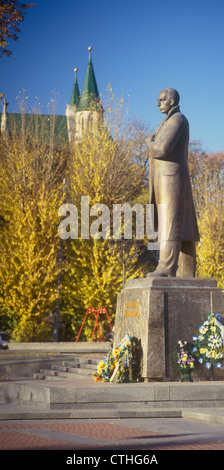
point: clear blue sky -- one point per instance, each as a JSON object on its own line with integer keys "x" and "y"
{"x": 139, "y": 46}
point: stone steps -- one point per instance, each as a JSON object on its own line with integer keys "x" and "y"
{"x": 26, "y": 359}
{"x": 211, "y": 415}
{"x": 80, "y": 365}
{"x": 87, "y": 398}
{"x": 27, "y": 413}
{"x": 78, "y": 359}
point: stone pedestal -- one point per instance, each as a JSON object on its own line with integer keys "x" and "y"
{"x": 162, "y": 311}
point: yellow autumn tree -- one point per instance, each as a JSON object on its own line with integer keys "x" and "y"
{"x": 110, "y": 167}
{"x": 107, "y": 167}
{"x": 31, "y": 175}
{"x": 207, "y": 174}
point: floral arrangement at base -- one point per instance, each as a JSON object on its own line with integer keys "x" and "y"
{"x": 209, "y": 347}
{"x": 184, "y": 360}
{"x": 117, "y": 365}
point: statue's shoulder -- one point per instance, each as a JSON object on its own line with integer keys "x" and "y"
{"x": 179, "y": 119}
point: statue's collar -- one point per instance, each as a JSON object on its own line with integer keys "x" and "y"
{"x": 174, "y": 110}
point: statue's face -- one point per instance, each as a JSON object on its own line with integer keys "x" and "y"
{"x": 165, "y": 103}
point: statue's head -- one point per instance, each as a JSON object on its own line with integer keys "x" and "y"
{"x": 167, "y": 99}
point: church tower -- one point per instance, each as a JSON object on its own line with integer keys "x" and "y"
{"x": 84, "y": 112}
{"x": 71, "y": 109}
{"x": 4, "y": 119}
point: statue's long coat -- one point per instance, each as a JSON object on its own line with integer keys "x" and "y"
{"x": 169, "y": 181}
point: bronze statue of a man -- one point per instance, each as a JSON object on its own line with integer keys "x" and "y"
{"x": 169, "y": 184}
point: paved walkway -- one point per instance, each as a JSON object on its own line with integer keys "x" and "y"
{"x": 198, "y": 429}
{"x": 111, "y": 434}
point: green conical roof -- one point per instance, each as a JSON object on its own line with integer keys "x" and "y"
{"x": 90, "y": 94}
{"x": 75, "y": 92}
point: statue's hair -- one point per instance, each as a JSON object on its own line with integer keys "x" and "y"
{"x": 173, "y": 94}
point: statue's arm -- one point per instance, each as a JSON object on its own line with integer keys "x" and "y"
{"x": 160, "y": 146}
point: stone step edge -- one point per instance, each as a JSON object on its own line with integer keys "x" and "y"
{"x": 88, "y": 414}
{"x": 42, "y": 376}
{"x": 74, "y": 368}
{"x": 204, "y": 415}
{"x": 49, "y": 374}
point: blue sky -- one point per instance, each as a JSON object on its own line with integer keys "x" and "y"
{"x": 139, "y": 46}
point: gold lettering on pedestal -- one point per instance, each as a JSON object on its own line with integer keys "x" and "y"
{"x": 132, "y": 309}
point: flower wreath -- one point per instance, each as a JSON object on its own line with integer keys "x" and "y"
{"x": 115, "y": 367}
{"x": 209, "y": 343}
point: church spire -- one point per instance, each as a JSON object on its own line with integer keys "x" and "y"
{"x": 90, "y": 94}
{"x": 75, "y": 92}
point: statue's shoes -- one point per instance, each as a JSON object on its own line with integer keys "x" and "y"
{"x": 158, "y": 274}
